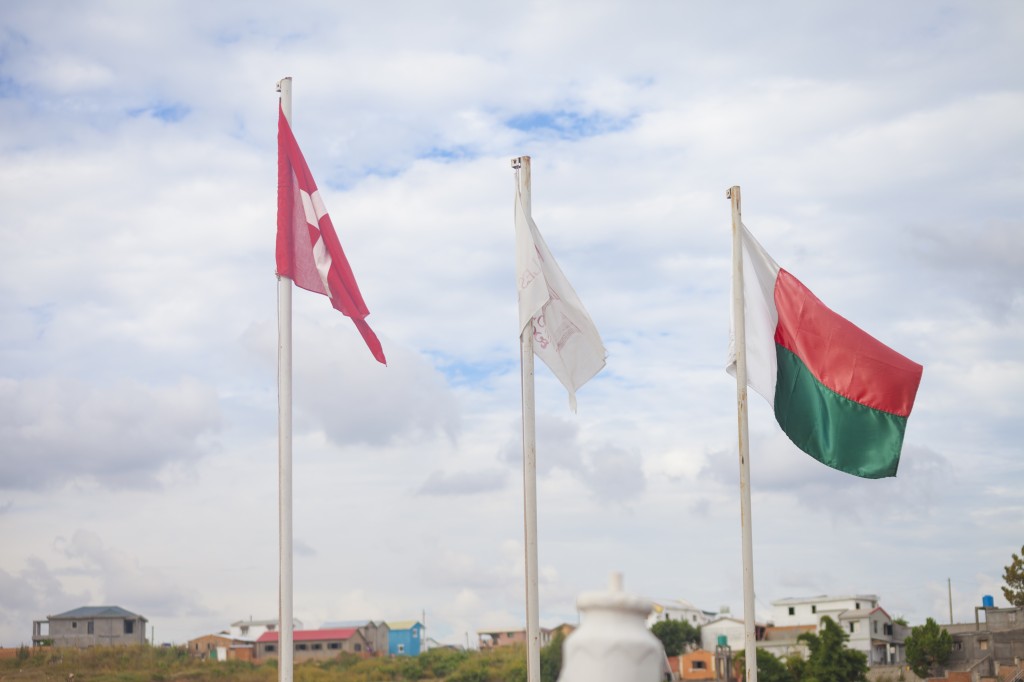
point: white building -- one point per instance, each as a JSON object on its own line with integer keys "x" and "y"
{"x": 870, "y": 629}
{"x": 251, "y": 630}
{"x": 678, "y": 609}
{"x": 732, "y": 629}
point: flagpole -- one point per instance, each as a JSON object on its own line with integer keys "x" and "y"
{"x": 284, "y": 446}
{"x": 740, "y": 341}
{"x": 522, "y": 167}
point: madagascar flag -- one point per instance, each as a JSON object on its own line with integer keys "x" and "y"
{"x": 840, "y": 395}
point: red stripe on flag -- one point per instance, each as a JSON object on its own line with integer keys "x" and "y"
{"x": 843, "y": 357}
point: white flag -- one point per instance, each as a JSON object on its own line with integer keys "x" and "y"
{"x": 564, "y": 336}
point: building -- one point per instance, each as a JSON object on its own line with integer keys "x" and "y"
{"x": 678, "y": 609}
{"x": 992, "y": 645}
{"x": 696, "y": 665}
{"x": 221, "y": 646}
{"x": 870, "y": 629}
{"x": 314, "y": 645}
{"x": 89, "y": 626}
{"x": 729, "y": 628}
{"x": 783, "y": 641}
{"x": 251, "y": 630}
{"x": 492, "y": 639}
{"x": 405, "y": 637}
{"x": 376, "y": 633}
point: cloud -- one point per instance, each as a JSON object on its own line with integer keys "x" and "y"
{"x": 121, "y": 579}
{"x": 57, "y": 430}
{"x": 464, "y": 482}
{"x": 611, "y": 474}
{"x": 340, "y": 389}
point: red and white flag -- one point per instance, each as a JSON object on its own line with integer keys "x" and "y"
{"x": 308, "y": 250}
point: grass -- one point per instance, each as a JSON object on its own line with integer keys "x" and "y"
{"x": 173, "y": 664}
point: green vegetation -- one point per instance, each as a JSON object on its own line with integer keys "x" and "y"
{"x": 675, "y": 635}
{"x": 770, "y": 668}
{"x": 928, "y": 648}
{"x": 152, "y": 664}
{"x": 830, "y": 660}
{"x": 1013, "y": 576}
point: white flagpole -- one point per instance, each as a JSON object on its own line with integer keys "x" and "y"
{"x": 740, "y": 341}
{"x": 522, "y": 166}
{"x": 284, "y": 446}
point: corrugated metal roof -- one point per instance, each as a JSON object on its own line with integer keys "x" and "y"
{"x": 331, "y": 634}
{"x": 402, "y": 624}
{"x": 97, "y": 612}
{"x": 349, "y": 624}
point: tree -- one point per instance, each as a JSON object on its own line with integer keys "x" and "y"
{"x": 551, "y": 658}
{"x": 1014, "y": 577}
{"x": 769, "y": 667}
{"x": 928, "y": 648}
{"x": 830, "y": 660}
{"x": 675, "y": 635}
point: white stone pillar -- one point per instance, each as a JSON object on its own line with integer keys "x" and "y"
{"x": 612, "y": 643}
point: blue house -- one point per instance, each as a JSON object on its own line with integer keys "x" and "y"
{"x": 405, "y": 638}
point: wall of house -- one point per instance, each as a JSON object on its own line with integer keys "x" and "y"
{"x": 200, "y": 647}
{"x": 698, "y": 665}
{"x": 732, "y": 629}
{"x": 87, "y": 632}
{"x": 323, "y": 651}
{"x": 316, "y": 651}
{"x": 809, "y": 611}
{"x": 376, "y": 637}
{"x": 405, "y": 642}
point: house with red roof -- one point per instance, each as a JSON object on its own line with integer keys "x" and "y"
{"x": 315, "y": 645}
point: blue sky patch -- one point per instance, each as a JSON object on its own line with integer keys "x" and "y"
{"x": 168, "y": 113}
{"x": 459, "y": 153}
{"x": 569, "y": 125}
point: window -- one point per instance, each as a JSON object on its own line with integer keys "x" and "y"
{"x": 814, "y": 608}
{"x": 88, "y": 627}
{"x": 74, "y": 624}
{"x": 698, "y": 665}
{"x": 301, "y": 647}
{"x": 852, "y": 627}
{"x": 401, "y": 648}
{"x": 887, "y": 629}
{"x": 856, "y": 605}
{"x": 792, "y": 610}
{"x": 244, "y": 629}
{"x": 317, "y": 647}
{"x": 358, "y": 647}
{"x": 874, "y": 626}
{"x": 334, "y": 645}
{"x": 958, "y": 646}
{"x": 129, "y": 627}
{"x": 270, "y": 648}
{"x": 415, "y": 633}
{"x": 983, "y": 644}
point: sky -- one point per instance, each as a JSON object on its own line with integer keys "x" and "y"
{"x": 880, "y": 151}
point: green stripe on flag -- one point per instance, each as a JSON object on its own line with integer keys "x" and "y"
{"x": 834, "y": 430}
